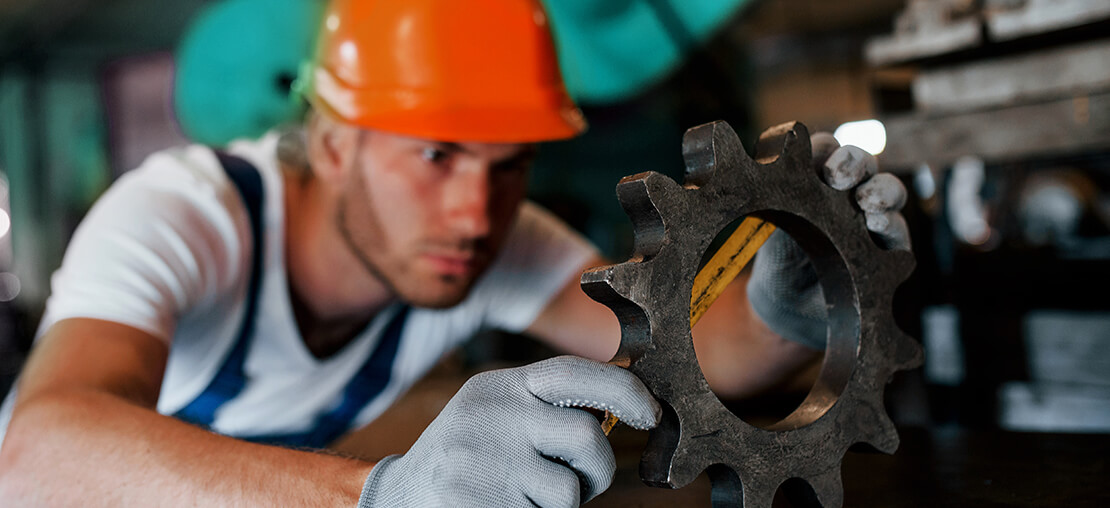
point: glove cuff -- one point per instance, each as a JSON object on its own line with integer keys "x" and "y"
{"x": 371, "y": 490}
{"x": 785, "y": 320}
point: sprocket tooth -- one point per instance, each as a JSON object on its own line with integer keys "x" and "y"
{"x": 782, "y": 140}
{"x": 611, "y": 284}
{"x": 707, "y": 147}
{"x": 826, "y": 487}
{"x": 909, "y": 354}
{"x": 647, "y": 222}
{"x": 756, "y": 493}
{"x": 641, "y": 196}
{"x": 902, "y": 264}
{"x": 882, "y": 436}
{"x": 599, "y": 279}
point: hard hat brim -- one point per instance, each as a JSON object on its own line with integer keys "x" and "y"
{"x": 545, "y": 115}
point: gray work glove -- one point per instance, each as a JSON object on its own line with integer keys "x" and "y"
{"x": 511, "y": 438}
{"x": 783, "y": 288}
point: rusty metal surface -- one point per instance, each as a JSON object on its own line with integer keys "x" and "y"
{"x": 650, "y": 294}
{"x": 927, "y": 28}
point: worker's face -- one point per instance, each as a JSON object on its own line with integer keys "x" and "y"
{"x": 427, "y": 218}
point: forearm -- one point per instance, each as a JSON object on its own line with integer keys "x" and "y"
{"x": 90, "y": 448}
{"x": 739, "y": 355}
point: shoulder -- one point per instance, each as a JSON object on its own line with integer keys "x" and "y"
{"x": 166, "y": 237}
{"x": 195, "y": 171}
{"x": 533, "y": 217}
{"x": 177, "y": 198}
{"x": 539, "y": 236}
{"x": 189, "y": 187}
{"x": 176, "y": 176}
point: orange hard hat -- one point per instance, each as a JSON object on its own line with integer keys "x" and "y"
{"x": 449, "y": 70}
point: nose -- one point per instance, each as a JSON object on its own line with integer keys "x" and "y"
{"x": 468, "y": 203}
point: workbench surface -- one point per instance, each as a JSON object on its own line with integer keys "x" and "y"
{"x": 932, "y": 468}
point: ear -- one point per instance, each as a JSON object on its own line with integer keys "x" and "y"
{"x": 332, "y": 148}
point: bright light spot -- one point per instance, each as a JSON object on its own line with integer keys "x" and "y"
{"x": 924, "y": 183}
{"x": 348, "y": 51}
{"x": 539, "y": 18}
{"x": 9, "y": 287}
{"x": 333, "y": 22}
{"x": 869, "y": 135}
{"x": 966, "y": 212}
{"x": 975, "y": 231}
{"x": 5, "y": 223}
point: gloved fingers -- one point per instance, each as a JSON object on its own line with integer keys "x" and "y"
{"x": 891, "y": 229}
{"x": 571, "y": 381}
{"x": 554, "y": 486}
{"x": 881, "y": 193}
{"x": 823, "y": 144}
{"x": 781, "y": 249}
{"x": 574, "y": 437}
{"x": 848, "y": 166}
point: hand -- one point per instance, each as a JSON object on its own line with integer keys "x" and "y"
{"x": 511, "y": 438}
{"x": 783, "y": 288}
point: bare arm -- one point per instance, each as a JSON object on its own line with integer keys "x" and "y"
{"x": 574, "y": 323}
{"x": 85, "y": 432}
{"x": 740, "y": 356}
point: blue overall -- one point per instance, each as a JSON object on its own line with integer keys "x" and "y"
{"x": 231, "y": 379}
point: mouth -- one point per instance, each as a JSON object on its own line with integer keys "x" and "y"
{"x": 458, "y": 265}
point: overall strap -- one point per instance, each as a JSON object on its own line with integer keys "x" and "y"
{"x": 365, "y": 386}
{"x": 230, "y": 378}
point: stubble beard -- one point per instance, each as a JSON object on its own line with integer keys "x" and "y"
{"x": 400, "y": 289}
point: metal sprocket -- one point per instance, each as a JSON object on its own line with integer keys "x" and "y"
{"x": 650, "y": 294}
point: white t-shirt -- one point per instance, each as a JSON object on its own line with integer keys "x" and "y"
{"x": 168, "y": 250}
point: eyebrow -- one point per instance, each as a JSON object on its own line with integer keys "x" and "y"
{"x": 449, "y": 146}
{"x": 526, "y": 152}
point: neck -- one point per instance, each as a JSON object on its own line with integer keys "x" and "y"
{"x": 333, "y": 295}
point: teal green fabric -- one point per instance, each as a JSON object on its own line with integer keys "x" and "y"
{"x": 610, "y": 50}
{"x": 235, "y": 64}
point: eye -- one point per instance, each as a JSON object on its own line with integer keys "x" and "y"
{"x": 433, "y": 155}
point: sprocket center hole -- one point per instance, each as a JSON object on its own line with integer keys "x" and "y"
{"x": 765, "y": 385}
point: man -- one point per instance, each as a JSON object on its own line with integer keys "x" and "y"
{"x": 285, "y": 302}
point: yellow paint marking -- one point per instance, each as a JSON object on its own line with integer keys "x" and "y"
{"x": 715, "y": 276}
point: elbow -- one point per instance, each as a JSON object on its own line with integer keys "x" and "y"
{"x": 11, "y": 477}
{"x": 779, "y": 365}
{"x": 16, "y": 453}
{"x": 32, "y": 445}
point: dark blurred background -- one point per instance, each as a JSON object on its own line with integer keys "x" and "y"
{"x": 995, "y": 113}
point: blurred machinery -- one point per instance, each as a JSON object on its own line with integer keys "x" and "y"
{"x": 1002, "y": 110}
{"x": 11, "y": 347}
